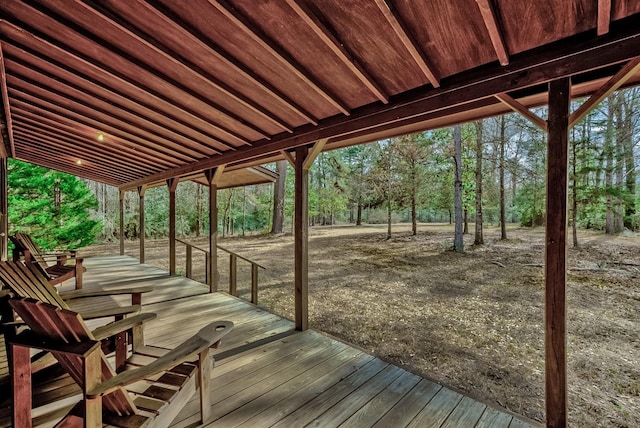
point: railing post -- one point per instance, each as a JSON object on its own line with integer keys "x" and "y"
{"x": 254, "y": 283}
{"x": 188, "y": 261}
{"x": 233, "y": 274}
{"x": 206, "y": 268}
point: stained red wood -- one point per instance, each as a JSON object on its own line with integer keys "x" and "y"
{"x": 301, "y": 243}
{"x": 556, "y": 254}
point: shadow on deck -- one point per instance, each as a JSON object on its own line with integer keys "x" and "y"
{"x": 267, "y": 374}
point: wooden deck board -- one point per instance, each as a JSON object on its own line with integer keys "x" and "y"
{"x": 266, "y": 373}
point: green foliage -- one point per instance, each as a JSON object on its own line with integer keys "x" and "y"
{"x": 55, "y": 208}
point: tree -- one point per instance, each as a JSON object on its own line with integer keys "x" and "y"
{"x": 479, "y": 238}
{"x": 277, "y": 225}
{"x": 54, "y": 207}
{"x": 458, "y": 242}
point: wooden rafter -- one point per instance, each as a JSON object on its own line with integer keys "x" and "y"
{"x": 134, "y": 138}
{"x": 491, "y": 22}
{"x": 143, "y": 94}
{"x": 337, "y": 48}
{"x": 6, "y": 108}
{"x": 604, "y": 16}
{"x": 193, "y": 36}
{"x": 57, "y": 127}
{"x": 98, "y": 93}
{"x": 523, "y": 110}
{"x": 190, "y": 68}
{"x": 398, "y": 25}
{"x": 314, "y": 152}
{"x": 63, "y": 90}
{"x": 618, "y": 79}
{"x": 277, "y": 52}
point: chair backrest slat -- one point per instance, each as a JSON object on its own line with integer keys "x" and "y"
{"x": 25, "y": 241}
{"x": 26, "y": 281}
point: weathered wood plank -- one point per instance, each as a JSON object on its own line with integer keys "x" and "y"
{"x": 466, "y": 413}
{"x": 493, "y": 418}
{"x": 437, "y": 410}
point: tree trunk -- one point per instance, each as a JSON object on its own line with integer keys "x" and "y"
{"x": 458, "y": 242}
{"x": 465, "y": 230}
{"x": 503, "y": 216}
{"x": 479, "y": 236}
{"x": 414, "y": 196}
{"x": 609, "y": 227}
{"x": 359, "y": 213}
{"x": 198, "y": 225}
{"x": 630, "y": 167}
{"x": 278, "y": 197}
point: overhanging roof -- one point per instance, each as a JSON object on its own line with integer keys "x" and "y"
{"x": 178, "y": 87}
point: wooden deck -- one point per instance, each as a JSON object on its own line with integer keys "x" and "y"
{"x": 269, "y": 375}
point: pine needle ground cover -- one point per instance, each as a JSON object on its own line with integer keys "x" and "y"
{"x": 472, "y": 321}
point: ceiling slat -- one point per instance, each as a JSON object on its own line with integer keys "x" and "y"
{"x": 491, "y": 22}
{"x": 338, "y": 48}
{"x": 280, "y": 54}
{"x": 398, "y": 25}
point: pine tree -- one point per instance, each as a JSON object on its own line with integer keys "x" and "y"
{"x": 54, "y": 207}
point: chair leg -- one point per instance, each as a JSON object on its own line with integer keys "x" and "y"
{"x": 92, "y": 375}
{"x": 79, "y": 271}
{"x": 204, "y": 377}
{"x": 21, "y": 385}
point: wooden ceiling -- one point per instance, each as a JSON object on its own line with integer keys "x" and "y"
{"x": 174, "y": 87}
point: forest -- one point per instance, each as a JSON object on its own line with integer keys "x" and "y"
{"x": 405, "y": 179}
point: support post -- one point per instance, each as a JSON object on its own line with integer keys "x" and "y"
{"x": 254, "y": 284}
{"x": 301, "y": 240}
{"x": 121, "y": 235}
{"x": 556, "y": 254}
{"x": 141, "y": 190}
{"x": 172, "y": 184}
{"x": 4, "y": 211}
{"x": 233, "y": 275}
{"x": 212, "y": 175}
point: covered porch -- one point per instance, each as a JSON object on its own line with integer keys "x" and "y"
{"x": 267, "y": 373}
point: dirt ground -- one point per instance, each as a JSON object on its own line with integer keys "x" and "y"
{"x": 471, "y": 321}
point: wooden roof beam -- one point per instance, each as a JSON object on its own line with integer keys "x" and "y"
{"x": 398, "y": 25}
{"x": 186, "y": 65}
{"x": 193, "y": 35}
{"x": 618, "y": 79}
{"x": 258, "y": 37}
{"x": 604, "y": 16}
{"x": 523, "y": 110}
{"x": 491, "y": 22}
{"x": 338, "y": 48}
{"x": 6, "y": 109}
{"x": 15, "y": 32}
{"x": 568, "y": 58}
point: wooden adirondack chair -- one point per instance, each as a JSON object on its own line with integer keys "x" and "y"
{"x": 55, "y": 273}
{"x": 149, "y": 395}
{"x": 27, "y": 281}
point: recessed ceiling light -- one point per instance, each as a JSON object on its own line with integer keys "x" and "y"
{"x": 79, "y": 162}
{"x": 101, "y": 137}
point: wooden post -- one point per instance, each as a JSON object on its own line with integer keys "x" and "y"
{"x": 233, "y": 275}
{"x": 141, "y": 190}
{"x": 254, "y": 283}
{"x": 188, "y": 262}
{"x": 172, "y": 184}
{"x": 20, "y": 360}
{"x": 556, "y": 254}
{"x": 212, "y": 175}
{"x": 122, "y": 194}
{"x": 301, "y": 238}
{"x": 4, "y": 211}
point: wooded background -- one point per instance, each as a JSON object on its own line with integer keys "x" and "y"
{"x": 405, "y": 179}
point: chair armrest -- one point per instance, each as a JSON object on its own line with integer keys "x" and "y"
{"x": 110, "y": 312}
{"x": 79, "y": 294}
{"x": 207, "y": 337}
{"x": 31, "y": 340}
{"x": 116, "y": 327}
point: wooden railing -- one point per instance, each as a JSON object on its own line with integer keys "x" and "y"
{"x": 233, "y": 268}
